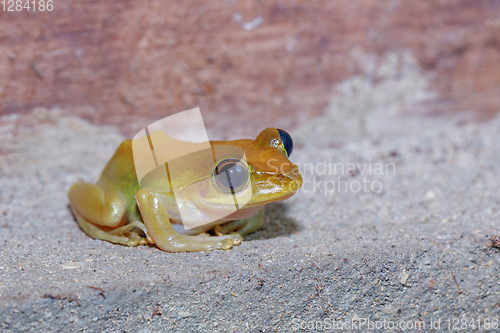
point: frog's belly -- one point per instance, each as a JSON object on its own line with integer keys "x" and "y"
{"x": 244, "y": 213}
{"x": 204, "y": 221}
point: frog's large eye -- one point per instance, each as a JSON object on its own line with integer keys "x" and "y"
{"x": 231, "y": 175}
{"x": 287, "y": 141}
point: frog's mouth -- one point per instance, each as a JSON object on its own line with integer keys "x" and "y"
{"x": 262, "y": 203}
{"x": 265, "y": 192}
{"x": 278, "y": 198}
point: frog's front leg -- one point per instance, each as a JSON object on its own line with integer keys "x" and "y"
{"x": 244, "y": 226}
{"x": 152, "y": 204}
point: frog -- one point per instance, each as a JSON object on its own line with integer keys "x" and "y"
{"x": 123, "y": 209}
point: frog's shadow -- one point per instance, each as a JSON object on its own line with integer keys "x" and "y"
{"x": 276, "y": 223}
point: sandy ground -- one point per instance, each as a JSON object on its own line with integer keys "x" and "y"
{"x": 411, "y": 250}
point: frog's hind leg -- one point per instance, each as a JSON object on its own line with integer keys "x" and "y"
{"x": 244, "y": 226}
{"x": 100, "y": 209}
{"x": 102, "y": 205}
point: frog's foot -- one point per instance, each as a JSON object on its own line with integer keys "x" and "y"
{"x": 132, "y": 239}
{"x": 128, "y": 229}
{"x": 152, "y": 204}
{"x": 136, "y": 239}
{"x": 233, "y": 236}
{"x": 185, "y": 243}
{"x": 242, "y": 227}
{"x": 224, "y": 229}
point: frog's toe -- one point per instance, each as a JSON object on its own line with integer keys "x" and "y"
{"x": 219, "y": 231}
{"x": 236, "y": 238}
{"x": 138, "y": 240}
{"x": 226, "y": 244}
{"x": 131, "y": 243}
{"x": 135, "y": 240}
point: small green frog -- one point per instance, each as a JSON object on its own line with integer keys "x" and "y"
{"x": 204, "y": 192}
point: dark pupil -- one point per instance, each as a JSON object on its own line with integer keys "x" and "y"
{"x": 287, "y": 141}
{"x": 231, "y": 175}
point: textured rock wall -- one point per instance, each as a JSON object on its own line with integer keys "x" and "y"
{"x": 266, "y": 61}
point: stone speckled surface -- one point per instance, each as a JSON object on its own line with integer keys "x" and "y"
{"x": 416, "y": 251}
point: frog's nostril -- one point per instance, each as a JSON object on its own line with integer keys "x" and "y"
{"x": 280, "y": 177}
{"x": 294, "y": 172}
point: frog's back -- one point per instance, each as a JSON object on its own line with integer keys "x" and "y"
{"x": 120, "y": 171}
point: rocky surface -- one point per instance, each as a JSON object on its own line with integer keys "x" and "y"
{"x": 413, "y": 248}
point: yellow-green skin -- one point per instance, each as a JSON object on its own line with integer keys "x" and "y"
{"x": 120, "y": 210}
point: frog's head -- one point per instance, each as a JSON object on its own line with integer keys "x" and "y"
{"x": 264, "y": 175}
{"x": 216, "y": 176}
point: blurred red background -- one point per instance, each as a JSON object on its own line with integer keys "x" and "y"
{"x": 126, "y": 63}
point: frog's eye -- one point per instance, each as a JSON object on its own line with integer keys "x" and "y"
{"x": 287, "y": 141}
{"x": 231, "y": 175}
